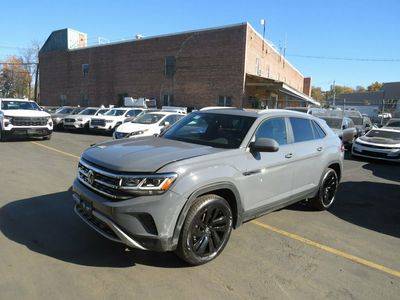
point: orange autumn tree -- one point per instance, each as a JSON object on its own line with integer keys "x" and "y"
{"x": 15, "y": 78}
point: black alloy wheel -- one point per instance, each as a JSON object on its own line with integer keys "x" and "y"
{"x": 327, "y": 190}
{"x": 206, "y": 230}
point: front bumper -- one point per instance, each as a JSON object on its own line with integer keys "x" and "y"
{"x": 75, "y": 125}
{"x": 28, "y": 132}
{"x": 375, "y": 153}
{"x": 107, "y": 128}
{"x": 146, "y": 222}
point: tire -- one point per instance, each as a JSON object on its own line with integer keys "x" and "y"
{"x": 2, "y": 136}
{"x": 327, "y": 190}
{"x": 206, "y": 230}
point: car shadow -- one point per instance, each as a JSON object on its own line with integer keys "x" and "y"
{"x": 386, "y": 170}
{"x": 47, "y": 224}
{"x": 372, "y": 205}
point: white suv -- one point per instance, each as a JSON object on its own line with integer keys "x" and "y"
{"x": 22, "y": 117}
{"x": 81, "y": 120}
{"x": 113, "y": 118}
{"x": 148, "y": 124}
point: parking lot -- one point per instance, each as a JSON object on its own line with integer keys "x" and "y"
{"x": 350, "y": 251}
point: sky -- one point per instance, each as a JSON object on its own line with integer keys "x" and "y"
{"x": 342, "y": 29}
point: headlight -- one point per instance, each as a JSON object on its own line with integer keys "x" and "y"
{"x": 7, "y": 120}
{"x": 79, "y": 119}
{"x": 148, "y": 185}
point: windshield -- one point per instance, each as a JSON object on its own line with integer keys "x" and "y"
{"x": 77, "y": 110}
{"x": 394, "y": 123}
{"x": 115, "y": 112}
{"x": 333, "y": 122}
{"x": 102, "y": 112}
{"x": 5, "y": 105}
{"x": 384, "y": 134}
{"x": 88, "y": 111}
{"x": 357, "y": 121}
{"x": 215, "y": 130}
{"x": 64, "y": 110}
{"x": 148, "y": 118}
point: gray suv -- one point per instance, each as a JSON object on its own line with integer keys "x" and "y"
{"x": 185, "y": 190}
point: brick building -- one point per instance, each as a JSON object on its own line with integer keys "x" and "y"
{"x": 230, "y": 65}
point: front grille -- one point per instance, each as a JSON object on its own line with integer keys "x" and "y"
{"x": 98, "y": 122}
{"x": 376, "y": 154}
{"x": 29, "y": 121}
{"x": 100, "y": 181}
{"x": 69, "y": 120}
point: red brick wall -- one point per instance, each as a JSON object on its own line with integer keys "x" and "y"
{"x": 271, "y": 64}
{"x": 208, "y": 64}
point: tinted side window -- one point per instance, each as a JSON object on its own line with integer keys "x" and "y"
{"x": 302, "y": 130}
{"x": 273, "y": 129}
{"x": 318, "y": 130}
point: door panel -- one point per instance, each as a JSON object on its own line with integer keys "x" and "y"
{"x": 268, "y": 175}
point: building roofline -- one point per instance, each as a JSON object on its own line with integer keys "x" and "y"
{"x": 273, "y": 48}
{"x": 162, "y": 36}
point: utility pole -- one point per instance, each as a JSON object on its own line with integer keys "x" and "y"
{"x": 262, "y": 21}
{"x": 334, "y": 93}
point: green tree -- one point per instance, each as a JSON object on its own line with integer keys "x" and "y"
{"x": 375, "y": 86}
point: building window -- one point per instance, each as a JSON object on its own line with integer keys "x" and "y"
{"x": 258, "y": 67}
{"x": 168, "y": 100}
{"x": 63, "y": 100}
{"x": 169, "y": 66}
{"x": 85, "y": 70}
{"x": 224, "y": 101}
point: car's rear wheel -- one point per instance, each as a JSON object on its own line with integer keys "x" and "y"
{"x": 327, "y": 190}
{"x": 206, "y": 230}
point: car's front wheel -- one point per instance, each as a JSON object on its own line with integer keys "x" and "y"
{"x": 327, "y": 190}
{"x": 206, "y": 230}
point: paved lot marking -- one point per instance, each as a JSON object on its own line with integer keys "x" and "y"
{"x": 293, "y": 236}
{"x": 353, "y": 258}
{"x": 56, "y": 150}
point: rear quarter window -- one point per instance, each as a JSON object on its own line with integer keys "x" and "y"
{"x": 302, "y": 129}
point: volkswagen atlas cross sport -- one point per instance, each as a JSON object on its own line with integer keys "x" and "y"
{"x": 186, "y": 189}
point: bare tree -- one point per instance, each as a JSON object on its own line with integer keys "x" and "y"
{"x": 30, "y": 57}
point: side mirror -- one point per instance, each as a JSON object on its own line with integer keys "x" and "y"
{"x": 344, "y": 127}
{"x": 264, "y": 145}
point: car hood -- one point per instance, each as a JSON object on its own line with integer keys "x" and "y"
{"x": 379, "y": 141}
{"x": 132, "y": 127}
{"x": 58, "y": 115}
{"x": 25, "y": 113}
{"x": 146, "y": 154}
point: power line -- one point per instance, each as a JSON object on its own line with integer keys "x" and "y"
{"x": 346, "y": 58}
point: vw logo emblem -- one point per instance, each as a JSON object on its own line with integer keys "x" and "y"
{"x": 90, "y": 177}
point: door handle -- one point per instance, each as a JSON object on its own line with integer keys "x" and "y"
{"x": 319, "y": 149}
{"x": 289, "y": 155}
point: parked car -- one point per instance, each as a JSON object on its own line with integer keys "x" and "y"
{"x": 82, "y": 119}
{"x": 213, "y": 170}
{"x": 22, "y": 117}
{"x": 59, "y": 115}
{"x": 380, "y": 143}
{"x": 113, "y": 118}
{"x": 307, "y": 110}
{"x": 393, "y": 123}
{"x": 147, "y": 124}
{"x": 343, "y": 127}
{"x": 358, "y": 120}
